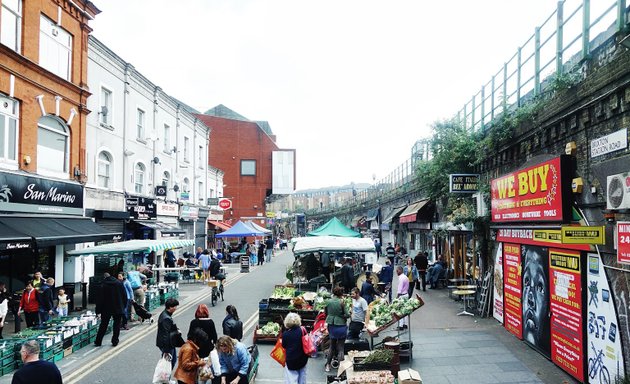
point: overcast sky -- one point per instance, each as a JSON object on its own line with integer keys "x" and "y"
{"x": 351, "y": 85}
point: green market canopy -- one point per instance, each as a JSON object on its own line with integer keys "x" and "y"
{"x": 132, "y": 246}
{"x": 334, "y": 227}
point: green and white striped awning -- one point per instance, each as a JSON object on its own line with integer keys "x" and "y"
{"x": 132, "y": 246}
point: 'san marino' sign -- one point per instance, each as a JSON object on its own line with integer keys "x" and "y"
{"x": 32, "y": 194}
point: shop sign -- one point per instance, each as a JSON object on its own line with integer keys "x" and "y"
{"x": 189, "y": 213}
{"x": 512, "y": 289}
{"x": 463, "y": 183}
{"x": 610, "y": 143}
{"x": 497, "y": 309}
{"x": 213, "y": 201}
{"x": 541, "y": 237}
{"x": 14, "y": 246}
{"x": 623, "y": 242}
{"x": 36, "y": 195}
{"x": 141, "y": 208}
{"x": 270, "y": 214}
{"x": 167, "y": 209}
{"x": 583, "y": 235}
{"x": 567, "y": 344}
{"x": 184, "y": 196}
{"x": 536, "y": 193}
{"x": 603, "y": 343}
{"x": 225, "y": 203}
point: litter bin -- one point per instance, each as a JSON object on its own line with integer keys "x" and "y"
{"x": 244, "y": 264}
{"x": 70, "y": 289}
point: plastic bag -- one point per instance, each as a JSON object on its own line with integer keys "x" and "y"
{"x": 279, "y": 354}
{"x": 216, "y": 365}
{"x": 162, "y": 373}
{"x": 205, "y": 372}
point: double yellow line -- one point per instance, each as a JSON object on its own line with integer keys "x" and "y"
{"x": 75, "y": 376}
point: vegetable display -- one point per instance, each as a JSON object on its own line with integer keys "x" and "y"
{"x": 283, "y": 293}
{"x": 383, "y": 313}
{"x": 379, "y": 356}
{"x": 269, "y": 329}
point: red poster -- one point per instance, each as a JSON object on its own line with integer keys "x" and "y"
{"x": 623, "y": 242}
{"x": 567, "y": 344}
{"x": 513, "y": 317}
{"x": 530, "y": 194}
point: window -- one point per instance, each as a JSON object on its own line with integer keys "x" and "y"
{"x": 105, "y": 108}
{"x": 200, "y": 160}
{"x": 55, "y": 48}
{"x": 186, "y": 185}
{"x": 53, "y": 141}
{"x": 166, "y": 179}
{"x": 8, "y": 129}
{"x": 248, "y": 167}
{"x": 140, "y": 124}
{"x": 200, "y": 191}
{"x": 186, "y": 150}
{"x": 139, "y": 178}
{"x": 167, "y": 138}
{"x": 11, "y": 25}
{"x": 103, "y": 171}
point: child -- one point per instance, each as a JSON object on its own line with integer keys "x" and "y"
{"x": 62, "y": 305}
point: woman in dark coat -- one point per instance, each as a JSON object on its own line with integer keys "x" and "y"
{"x": 295, "y": 369}
{"x": 232, "y": 325}
{"x": 204, "y": 322}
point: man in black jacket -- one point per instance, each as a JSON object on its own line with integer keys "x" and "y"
{"x": 111, "y": 303}
{"x": 347, "y": 275}
{"x": 422, "y": 263}
{"x": 46, "y": 300}
{"x": 165, "y": 327}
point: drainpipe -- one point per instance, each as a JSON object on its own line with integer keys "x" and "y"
{"x": 128, "y": 69}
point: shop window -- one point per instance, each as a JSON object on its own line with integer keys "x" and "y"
{"x": 55, "y": 48}
{"x": 11, "y": 24}
{"x": 167, "y": 138}
{"x": 104, "y": 170}
{"x": 139, "y": 173}
{"x": 53, "y": 143}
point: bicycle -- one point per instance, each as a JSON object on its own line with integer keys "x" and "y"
{"x": 596, "y": 365}
{"x": 218, "y": 291}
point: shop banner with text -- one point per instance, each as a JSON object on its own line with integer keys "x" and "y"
{"x": 535, "y": 278}
{"x": 542, "y": 237}
{"x": 567, "y": 344}
{"x": 537, "y": 193}
{"x": 497, "y": 309}
{"x": 623, "y": 242}
{"x": 512, "y": 289}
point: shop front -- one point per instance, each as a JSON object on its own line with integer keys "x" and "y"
{"x": 415, "y": 222}
{"x": 388, "y": 230}
{"x": 549, "y": 285}
{"x": 144, "y": 223}
{"x": 41, "y": 219}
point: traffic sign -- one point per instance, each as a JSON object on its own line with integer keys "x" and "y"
{"x": 225, "y": 203}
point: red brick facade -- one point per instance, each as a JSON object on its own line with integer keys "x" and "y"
{"x": 230, "y": 142}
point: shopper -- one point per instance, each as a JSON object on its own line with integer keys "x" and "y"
{"x": 189, "y": 359}
{"x": 46, "y": 300}
{"x": 295, "y": 369}
{"x": 35, "y": 370}
{"x": 336, "y": 316}
{"x": 62, "y": 302}
{"x": 165, "y": 327}
{"x": 111, "y": 305}
{"x": 232, "y": 325}
{"x": 234, "y": 358}
{"x": 4, "y": 306}
{"x": 203, "y": 321}
{"x": 411, "y": 272}
{"x": 30, "y": 305}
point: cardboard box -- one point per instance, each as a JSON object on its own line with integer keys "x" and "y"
{"x": 67, "y": 351}
{"x": 409, "y": 376}
{"x": 213, "y": 283}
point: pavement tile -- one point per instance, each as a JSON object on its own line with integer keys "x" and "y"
{"x": 488, "y": 368}
{"x": 456, "y": 360}
{"x": 478, "y": 343}
{"x": 512, "y": 366}
{"x": 472, "y": 377}
{"x": 515, "y": 377}
{"x": 497, "y": 358}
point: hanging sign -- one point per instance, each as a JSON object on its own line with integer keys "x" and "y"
{"x": 623, "y": 242}
{"x": 567, "y": 345}
{"x": 536, "y": 193}
{"x": 463, "y": 183}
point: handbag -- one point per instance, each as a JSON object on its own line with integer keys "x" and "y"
{"x": 162, "y": 373}
{"x": 278, "y": 353}
{"x": 176, "y": 338}
{"x": 307, "y": 343}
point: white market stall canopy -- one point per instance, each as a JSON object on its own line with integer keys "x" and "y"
{"x": 333, "y": 244}
{"x": 132, "y": 246}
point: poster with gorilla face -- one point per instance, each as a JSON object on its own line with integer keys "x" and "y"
{"x": 535, "y": 277}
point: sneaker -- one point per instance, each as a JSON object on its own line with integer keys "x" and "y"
{"x": 327, "y": 368}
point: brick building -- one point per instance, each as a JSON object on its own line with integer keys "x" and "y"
{"x": 245, "y": 151}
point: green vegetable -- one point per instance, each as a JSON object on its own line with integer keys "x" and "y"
{"x": 270, "y": 329}
{"x": 379, "y": 356}
{"x": 283, "y": 293}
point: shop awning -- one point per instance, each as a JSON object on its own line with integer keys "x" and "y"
{"x": 372, "y": 214}
{"x": 393, "y": 214}
{"x": 132, "y": 246}
{"x": 164, "y": 228}
{"x": 48, "y": 231}
{"x": 358, "y": 222}
{"x": 410, "y": 214}
{"x": 222, "y": 225}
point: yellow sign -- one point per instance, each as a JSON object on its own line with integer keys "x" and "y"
{"x": 548, "y": 236}
{"x": 584, "y": 235}
{"x": 270, "y": 215}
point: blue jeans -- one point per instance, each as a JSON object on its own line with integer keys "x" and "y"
{"x": 295, "y": 377}
{"x": 44, "y": 316}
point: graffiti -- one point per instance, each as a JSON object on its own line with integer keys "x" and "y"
{"x": 597, "y": 325}
{"x": 596, "y": 365}
{"x": 592, "y": 289}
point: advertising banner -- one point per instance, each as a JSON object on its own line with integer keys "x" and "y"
{"x": 540, "y": 237}
{"x": 497, "y": 309}
{"x": 623, "y": 242}
{"x": 512, "y": 289}
{"x": 535, "y": 280}
{"x": 141, "y": 208}
{"x": 567, "y": 344}
{"x": 535, "y": 193}
{"x": 605, "y": 356}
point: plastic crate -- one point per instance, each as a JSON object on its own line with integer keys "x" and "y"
{"x": 58, "y": 356}
{"x": 7, "y": 360}
{"x": 8, "y": 369}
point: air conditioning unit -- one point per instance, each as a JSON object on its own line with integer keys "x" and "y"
{"x": 618, "y": 191}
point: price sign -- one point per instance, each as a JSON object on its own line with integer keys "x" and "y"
{"x": 623, "y": 242}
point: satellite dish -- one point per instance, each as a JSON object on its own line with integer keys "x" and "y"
{"x": 156, "y": 160}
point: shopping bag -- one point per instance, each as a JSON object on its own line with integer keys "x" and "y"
{"x": 205, "y": 372}
{"x": 162, "y": 373}
{"x": 216, "y": 365}
{"x": 278, "y": 353}
{"x": 307, "y": 343}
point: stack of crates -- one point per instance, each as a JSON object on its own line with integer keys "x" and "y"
{"x": 7, "y": 356}
{"x": 152, "y": 300}
{"x": 264, "y": 316}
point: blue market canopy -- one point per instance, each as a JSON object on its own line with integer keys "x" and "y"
{"x": 132, "y": 246}
{"x": 241, "y": 229}
{"x": 334, "y": 227}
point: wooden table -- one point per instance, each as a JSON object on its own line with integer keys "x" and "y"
{"x": 465, "y": 295}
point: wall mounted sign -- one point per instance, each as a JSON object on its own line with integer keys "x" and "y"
{"x": 541, "y": 237}
{"x": 225, "y": 203}
{"x": 141, "y": 208}
{"x": 584, "y": 235}
{"x": 189, "y": 213}
{"x": 513, "y": 288}
{"x": 537, "y": 193}
{"x": 161, "y": 191}
{"x": 497, "y": 308}
{"x": 623, "y": 242}
{"x": 610, "y": 143}
{"x": 167, "y": 209}
{"x": 36, "y": 195}
{"x": 463, "y": 183}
